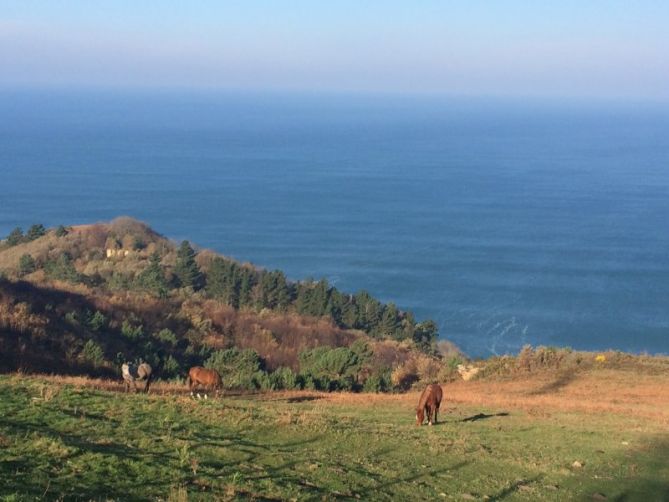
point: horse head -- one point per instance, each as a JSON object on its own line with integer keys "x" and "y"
{"x": 420, "y": 416}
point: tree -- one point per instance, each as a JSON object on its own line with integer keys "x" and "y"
{"x": 389, "y": 325}
{"x": 26, "y": 264}
{"x": 186, "y": 270}
{"x": 152, "y": 277}
{"x": 369, "y": 311}
{"x": 224, "y": 281}
{"x": 61, "y": 231}
{"x": 93, "y": 354}
{"x": 15, "y": 237}
{"x": 62, "y": 269}
{"x": 425, "y": 335}
{"x": 35, "y": 232}
{"x": 274, "y": 290}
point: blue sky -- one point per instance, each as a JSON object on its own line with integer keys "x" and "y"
{"x": 478, "y": 47}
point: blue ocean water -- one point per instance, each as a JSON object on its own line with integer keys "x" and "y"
{"x": 508, "y": 222}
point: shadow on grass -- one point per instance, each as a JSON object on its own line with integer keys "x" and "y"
{"x": 514, "y": 488}
{"x": 109, "y": 469}
{"x": 644, "y": 477}
{"x": 302, "y": 399}
{"x": 373, "y": 491}
{"x": 483, "y": 416}
{"x": 561, "y": 381}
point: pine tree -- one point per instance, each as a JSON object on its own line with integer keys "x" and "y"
{"x": 247, "y": 282}
{"x": 425, "y": 335}
{"x": 186, "y": 270}
{"x": 152, "y": 278}
{"x": 26, "y": 264}
{"x": 389, "y": 324}
{"x": 15, "y": 237}
{"x": 35, "y": 232}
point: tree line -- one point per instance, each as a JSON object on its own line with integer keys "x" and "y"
{"x": 243, "y": 286}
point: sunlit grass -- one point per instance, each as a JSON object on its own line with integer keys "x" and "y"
{"x": 61, "y": 440}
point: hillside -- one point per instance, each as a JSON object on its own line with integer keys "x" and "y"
{"x": 83, "y": 299}
{"x": 601, "y": 435}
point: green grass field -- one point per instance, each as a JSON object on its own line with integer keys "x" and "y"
{"x": 61, "y": 441}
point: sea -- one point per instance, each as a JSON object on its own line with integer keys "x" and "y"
{"x": 508, "y": 221}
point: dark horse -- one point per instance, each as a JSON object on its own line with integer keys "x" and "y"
{"x": 428, "y": 404}
{"x": 199, "y": 377}
{"x": 133, "y": 374}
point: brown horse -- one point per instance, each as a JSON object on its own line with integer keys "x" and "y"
{"x": 199, "y": 377}
{"x": 428, "y": 404}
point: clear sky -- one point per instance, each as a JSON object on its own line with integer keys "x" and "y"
{"x": 579, "y": 48}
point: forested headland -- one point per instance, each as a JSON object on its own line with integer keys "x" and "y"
{"x": 83, "y": 299}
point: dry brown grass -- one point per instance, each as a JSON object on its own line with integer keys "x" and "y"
{"x": 614, "y": 392}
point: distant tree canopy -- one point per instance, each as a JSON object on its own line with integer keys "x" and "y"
{"x": 62, "y": 268}
{"x": 152, "y": 278}
{"x": 15, "y": 237}
{"x": 26, "y": 264}
{"x": 242, "y": 286}
{"x": 186, "y": 270}
{"x": 238, "y": 285}
{"x": 35, "y": 232}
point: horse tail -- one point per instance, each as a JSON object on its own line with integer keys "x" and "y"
{"x": 148, "y": 382}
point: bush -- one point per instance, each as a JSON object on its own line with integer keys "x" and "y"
{"x": 15, "y": 237}
{"x": 240, "y": 369}
{"x": 166, "y": 336}
{"x": 92, "y": 353}
{"x": 61, "y": 231}
{"x": 171, "y": 367}
{"x": 35, "y": 232}
{"x": 96, "y": 321}
{"x": 62, "y": 269}
{"x": 284, "y": 378}
{"x": 131, "y": 332}
{"x": 26, "y": 264}
{"x": 378, "y": 382}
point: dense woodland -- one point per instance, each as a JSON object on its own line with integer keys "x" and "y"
{"x": 83, "y": 299}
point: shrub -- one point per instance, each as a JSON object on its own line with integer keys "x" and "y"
{"x": 62, "y": 269}
{"x": 171, "y": 367}
{"x": 35, "y": 232}
{"x": 284, "y": 378}
{"x": 405, "y": 375}
{"x": 71, "y": 318}
{"x": 96, "y": 321}
{"x": 15, "y": 237}
{"x": 238, "y": 368}
{"x": 166, "y": 336}
{"x": 61, "y": 231}
{"x": 26, "y": 264}
{"x": 93, "y": 353}
{"x": 378, "y": 382}
{"x": 331, "y": 369}
{"x": 131, "y": 332}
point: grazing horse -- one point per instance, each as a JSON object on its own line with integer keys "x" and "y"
{"x": 428, "y": 404}
{"x": 133, "y": 374}
{"x": 208, "y": 379}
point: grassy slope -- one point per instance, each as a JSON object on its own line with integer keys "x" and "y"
{"x": 514, "y": 440}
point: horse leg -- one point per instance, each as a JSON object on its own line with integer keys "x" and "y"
{"x": 429, "y": 415}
